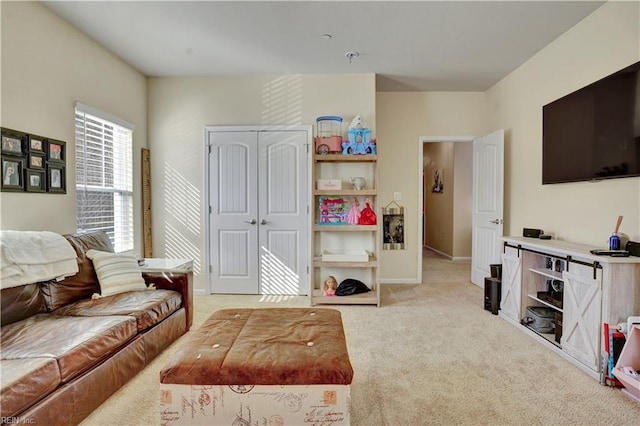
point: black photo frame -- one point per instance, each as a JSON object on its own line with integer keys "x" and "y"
{"x": 36, "y": 143}
{"x": 56, "y": 179}
{"x": 13, "y": 142}
{"x": 36, "y": 160}
{"x": 56, "y": 151}
{"x": 12, "y": 173}
{"x": 35, "y": 180}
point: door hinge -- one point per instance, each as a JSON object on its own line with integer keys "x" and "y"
{"x": 210, "y": 210}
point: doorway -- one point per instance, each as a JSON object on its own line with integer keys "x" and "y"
{"x": 487, "y": 165}
{"x": 447, "y": 195}
{"x": 257, "y": 236}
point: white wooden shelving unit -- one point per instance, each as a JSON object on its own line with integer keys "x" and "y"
{"x": 345, "y": 237}
{"x": 596, "y": 289}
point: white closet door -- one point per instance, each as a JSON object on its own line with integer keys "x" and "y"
{"x": 283, "y": 218}
{"x": 259, "y": 222}
{"x": 233, "y": 185}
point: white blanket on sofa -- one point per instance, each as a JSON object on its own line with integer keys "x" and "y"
{"x": 31, "y": 256}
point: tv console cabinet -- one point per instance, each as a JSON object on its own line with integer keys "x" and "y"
{"x": 595, "y": 290}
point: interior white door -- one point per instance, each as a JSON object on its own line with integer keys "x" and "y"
{"x": 233, "y": 228}
{"x": 488, "y": 200}
{"x": 258, "y": 229}
{"x": 283, "y": 217}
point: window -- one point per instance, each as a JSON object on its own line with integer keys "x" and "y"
{"x": 104, "y": 175}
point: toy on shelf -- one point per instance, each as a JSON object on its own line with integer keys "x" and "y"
{"x": 328, "y": 134}
{"x": 353, "y": 215}
{"x": 332, "y": 211}
{"x": 329, "y": 286}
{"x": 359, "y": 138}
{"x": 367, "y": 215}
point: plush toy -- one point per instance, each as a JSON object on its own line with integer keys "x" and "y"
{"x": 358, "y": 123}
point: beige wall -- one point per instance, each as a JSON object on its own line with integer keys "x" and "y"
{"x": 439, "y": 206}
{"x": 463, "y": 191}
{"x": 179, "y": 110}
{"x": 403, "y": 117}
{"x": 47, "y": 65}
{"x": 604, "y": 42}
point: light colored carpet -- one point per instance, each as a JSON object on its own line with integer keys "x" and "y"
{"x": 430, "y": 355}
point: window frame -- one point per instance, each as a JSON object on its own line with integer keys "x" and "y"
{"x": 99, "y": 143}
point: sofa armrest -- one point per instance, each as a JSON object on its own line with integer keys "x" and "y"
{"x": 179, "y": 281}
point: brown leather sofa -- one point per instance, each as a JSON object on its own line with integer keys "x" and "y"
{"x": 63, "y": 353}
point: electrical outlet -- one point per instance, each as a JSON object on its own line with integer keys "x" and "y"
{"x": 397, "y": 196}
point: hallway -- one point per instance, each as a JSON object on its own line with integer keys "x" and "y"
{"x": 436, "y": 268}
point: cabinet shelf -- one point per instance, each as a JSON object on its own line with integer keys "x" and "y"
{"x": 318, "y": 262}
{"x": 340, "y": 158}
{"x": 347, "y": 192}
{"x": 549, "y": 337}
{"x": 369, "y": 298}
{"x": 555, "y": 308}
{"x": 345, "y": 228}
{"x": 547, "y": 273}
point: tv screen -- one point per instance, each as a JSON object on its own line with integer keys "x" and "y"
{"x": 594, "y": 133}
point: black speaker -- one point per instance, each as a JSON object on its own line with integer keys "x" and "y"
{"x": 492, "y": 294}
{"x": 531, "y": 232}
{"x": 633, "y": 248}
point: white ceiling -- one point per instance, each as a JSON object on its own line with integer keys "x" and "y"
{"x": 409, "y": 45}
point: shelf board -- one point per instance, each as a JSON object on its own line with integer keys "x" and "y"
{"x": 318, "y": 262}
{"x": 345, "y": 228}
{"x": 534, "y": 297}
{"x": 333, "y": 158}
{"x": 354, "y": 192}
{"x": 547, "y": 273}
{"x": 369, "y": 298}
{"x": 549, "y": 337}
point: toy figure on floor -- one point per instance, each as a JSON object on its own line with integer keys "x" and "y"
{"x": 329, "y": 286}
{"x": 353, "y": 216}
{"x": 367, "y": 215}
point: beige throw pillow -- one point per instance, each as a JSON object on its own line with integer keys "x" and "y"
{"x": 116, "y": 272}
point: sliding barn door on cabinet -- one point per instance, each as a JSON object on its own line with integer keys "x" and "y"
{"x": 258, "y": 211}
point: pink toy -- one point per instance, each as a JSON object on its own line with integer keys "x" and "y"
{"x": 353, "y": 216}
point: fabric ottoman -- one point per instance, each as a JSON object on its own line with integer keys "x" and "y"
{"x": 272, "y": 366}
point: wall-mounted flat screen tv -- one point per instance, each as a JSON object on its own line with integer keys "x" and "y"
{"x": 594, "y": 133}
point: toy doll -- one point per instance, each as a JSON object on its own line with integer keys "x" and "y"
{"x": 329, "y": 286}
{"x": 367, "y": 215}
{"x": 353, "y": 216}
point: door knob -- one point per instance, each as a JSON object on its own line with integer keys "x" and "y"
{"x": 252, "y": 222}
{"x": 263, "y": 222}
{"x": 496, "y": 221}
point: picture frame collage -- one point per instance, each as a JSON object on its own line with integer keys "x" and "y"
{"x": 32, "y": 163}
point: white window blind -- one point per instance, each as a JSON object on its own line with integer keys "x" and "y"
{"x": 104, "y": 176}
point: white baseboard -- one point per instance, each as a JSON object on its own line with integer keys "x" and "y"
{"x": 446, "y": 255}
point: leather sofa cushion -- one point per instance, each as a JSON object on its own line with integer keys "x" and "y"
{"x": 77, "y": 343}
{"x": 18, "y": 303}
{"x": 25, "y": 381}
{"x": 149, "y": 307}
{"x": 83, "y": 284}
